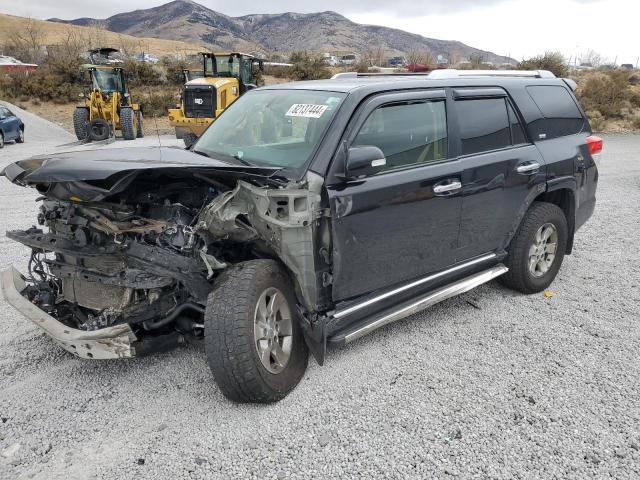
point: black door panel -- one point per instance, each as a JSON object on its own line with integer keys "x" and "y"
{"x": 392, "y": 228}
{"x": 495, "y": 196}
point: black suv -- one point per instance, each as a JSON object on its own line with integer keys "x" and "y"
{"x": 308, "y": 214}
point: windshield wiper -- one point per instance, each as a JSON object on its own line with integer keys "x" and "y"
{"x": 243, "y": 161}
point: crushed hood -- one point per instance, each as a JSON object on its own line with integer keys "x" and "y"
{"x": 94, "y": 165}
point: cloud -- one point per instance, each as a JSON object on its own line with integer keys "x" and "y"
{"x": 69, "y": 9}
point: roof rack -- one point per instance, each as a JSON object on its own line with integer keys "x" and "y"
{"x": 453, "y": 73}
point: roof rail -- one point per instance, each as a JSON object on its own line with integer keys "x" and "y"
{"x": 453, "y": 73}
{"x": 377, "y": 74}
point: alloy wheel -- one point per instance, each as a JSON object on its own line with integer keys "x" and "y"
{"x": 542, "y": 252}
{"x": 272, "y": 330}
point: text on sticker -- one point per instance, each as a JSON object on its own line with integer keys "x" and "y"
{"x": 306, "y": 110}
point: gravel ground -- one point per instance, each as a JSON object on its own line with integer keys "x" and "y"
{"x": 491, "y": 384}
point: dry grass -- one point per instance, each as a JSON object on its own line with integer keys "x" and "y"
{"x": 55, "y": 33}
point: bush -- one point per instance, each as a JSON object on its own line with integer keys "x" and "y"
{"x": 174, "y": 70}
{"x": 43, "y": 84}
{"x": 278, "y": 71}
{"x": 308, "y": 67}
{"x": 155, "y": 103}
{"x": 552, "y": 61}
{"x": 142, "y": 73}
{"x": 596, "y": 120}
{"x": 607, "y": 92}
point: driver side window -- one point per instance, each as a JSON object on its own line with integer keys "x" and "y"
{"x": 409, "y": 133}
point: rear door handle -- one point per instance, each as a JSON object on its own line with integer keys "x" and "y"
{"x": 528, "y": 168}
{"x": 446, "y": 187}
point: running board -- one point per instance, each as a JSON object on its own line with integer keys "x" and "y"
{"x": 416, "y": 305}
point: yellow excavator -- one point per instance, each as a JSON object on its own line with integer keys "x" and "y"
{"x": 107, "y": 107}
{"x": 225, "y": 76}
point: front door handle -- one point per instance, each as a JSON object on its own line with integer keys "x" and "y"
{"x": 528, "y": 168}
{"x": 447, "y": 187}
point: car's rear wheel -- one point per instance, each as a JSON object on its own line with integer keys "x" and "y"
{"x": 254, "y": 344}
{"x": 537, "y": 249}
{"x": 20, "y": 138}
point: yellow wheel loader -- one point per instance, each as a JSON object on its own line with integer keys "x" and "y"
{"x": 226, "y": 76}
{"x": 107, "y": 107}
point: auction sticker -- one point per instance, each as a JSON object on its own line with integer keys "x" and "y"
{"x": 306, "y": 110}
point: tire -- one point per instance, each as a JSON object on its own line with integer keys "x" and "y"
{"x": 231, "y": 338}
{"x": 99, "y": 129}
{"x": 531, "y": 267}
{"x": 81, "y": 122}
{"x": 139, "y": 130}
{"x": 20, "y": 138}
{"x": 127, "y": 123}
{"x": 189, "y": 139}
{"x": 1, "y": 140}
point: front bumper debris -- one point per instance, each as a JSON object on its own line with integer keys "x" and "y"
{"x": 106, "y": 343}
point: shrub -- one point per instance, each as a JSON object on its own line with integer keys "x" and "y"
{"x": 308, "y": 66}
{"x": 173, "y": 70}
{"x": 597, "y": 121}
{"x": 607, "y": 92}
{"x": 141, "y": 73}
{"x": 278, "y": 71}
{"x": 552, "y": 61}
{"x": 156, "y": 102}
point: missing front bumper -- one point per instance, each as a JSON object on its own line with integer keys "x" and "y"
{"x": 106, "y": 343}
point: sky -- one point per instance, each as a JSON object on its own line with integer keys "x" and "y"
{"x": 518, "y": 28}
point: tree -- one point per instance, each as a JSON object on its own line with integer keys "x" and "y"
{"x": 421, "y": 56}
{"x": 593, "y": 58}
{"x": 552, "y": 61}
{"x": 308, "y": 66}
{"x": 25, "y": 43}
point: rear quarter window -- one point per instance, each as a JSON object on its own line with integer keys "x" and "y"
{"x": 561, "y": 114}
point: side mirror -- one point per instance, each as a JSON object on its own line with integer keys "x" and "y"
{"x": 364, "y": 160}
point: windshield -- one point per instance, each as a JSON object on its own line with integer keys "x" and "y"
{"x": 224, "y": 68}
{"x": 106, "y": 80}
{"x": 271, "y": 127}
{"x": 192, "y": 75}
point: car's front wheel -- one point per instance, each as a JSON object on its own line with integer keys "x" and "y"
{"x": 253, "y": 341}
{"x": 537, "y": 249}
{"x": 20, "y": 138}
{"x": 1, "y": 140}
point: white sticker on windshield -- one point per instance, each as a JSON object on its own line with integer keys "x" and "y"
{"x": 306, "y": 110}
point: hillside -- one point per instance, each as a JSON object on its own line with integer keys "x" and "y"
{"x": 188, "y": 21}
{"x": 55, "y": 32}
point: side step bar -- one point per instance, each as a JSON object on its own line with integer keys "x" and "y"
{"x": 416, "y": 305}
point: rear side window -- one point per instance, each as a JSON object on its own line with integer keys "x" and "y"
{"x": 484, "y": 125}
{"x": 558, "y": 107}
{"x": 409, "y": 133}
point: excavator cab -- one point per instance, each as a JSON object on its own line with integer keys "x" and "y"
{"x": 225, "y": 76}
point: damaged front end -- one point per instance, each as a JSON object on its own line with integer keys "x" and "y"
{"x": 125, "y": 254}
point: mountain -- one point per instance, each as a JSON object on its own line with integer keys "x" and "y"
{"x": 189, "y": 21}
{"x": 51, "y": 33}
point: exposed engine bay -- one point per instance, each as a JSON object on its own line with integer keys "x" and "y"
{"x": 145, "y": 247}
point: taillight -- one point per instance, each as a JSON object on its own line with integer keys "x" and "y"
{"x": 595, "y": 145}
